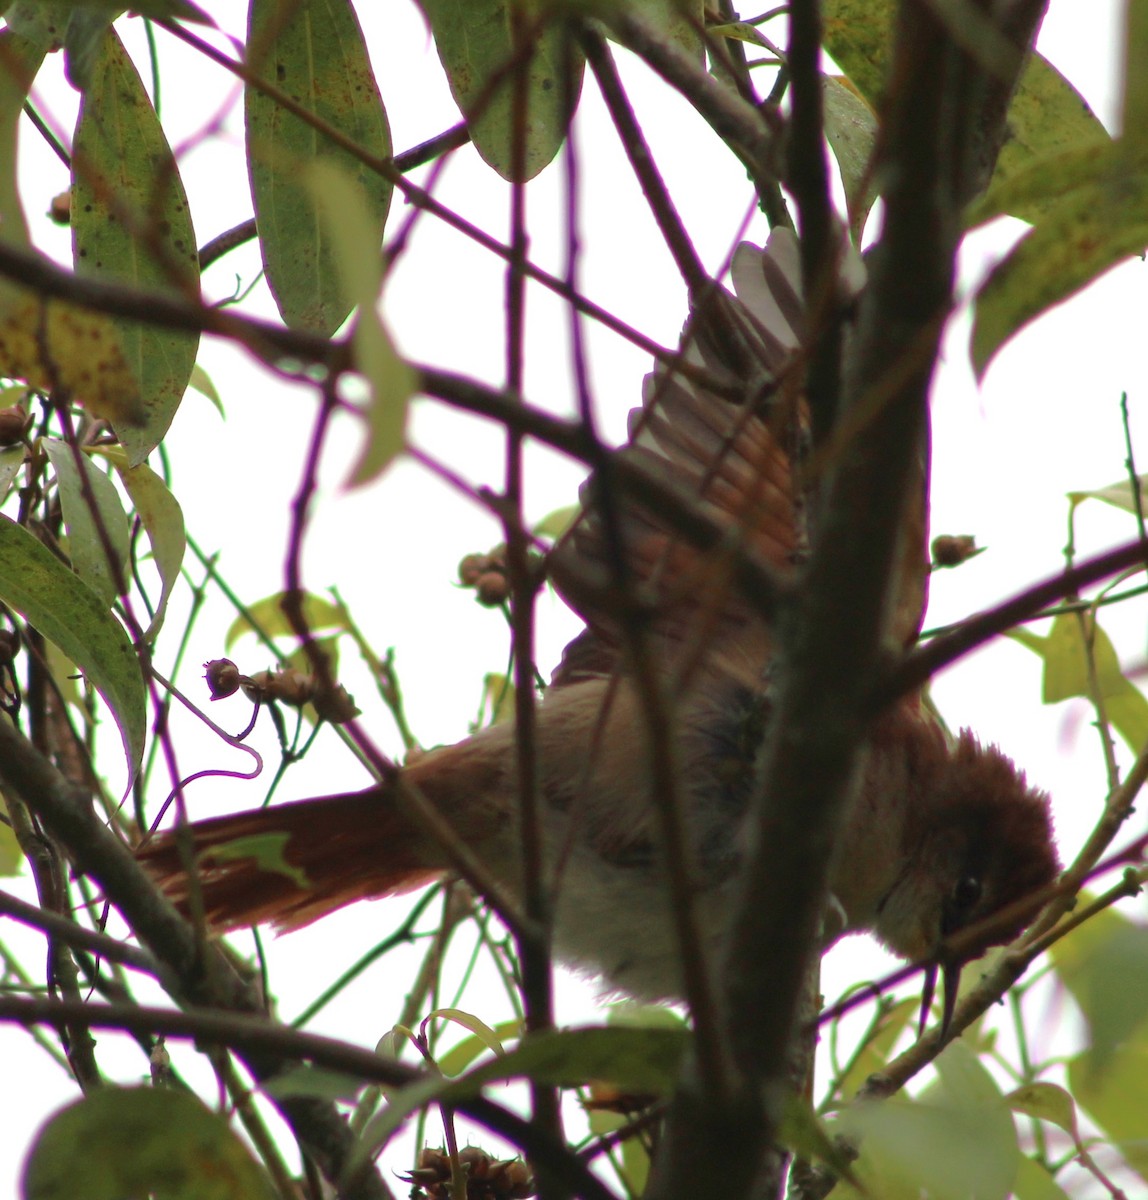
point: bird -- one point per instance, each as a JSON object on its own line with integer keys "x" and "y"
{"x": 942, "y": 832}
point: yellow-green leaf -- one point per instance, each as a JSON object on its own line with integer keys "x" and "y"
{"x": 635, "y": 1060}
{"x": 851, "y": 130}
{"x": 1048, "y": 1101}
{"x": 1090, "y": 230}
{"x": 392, "y": 381}
{"x": 162, "y": 519}
{"x": 11, "y": 858}
{"x": 92, "y": 512}
{"x": 267, "y": 619}
{"x": 1104, "y": 964}
{"x": 1033, "y": 1182}
{"x": 476, "y": 45}
{"x": 131, "y": 223}
{"x": 1066, "y": 673}
{"x": 266, "y": 849}
{"x": 119, "y": 1142}
{"x": 67, "y": 612}
{"x": 1116, "y": 1098}
{"x": 1047, "y": 115}
{"x": 314, "y": 52}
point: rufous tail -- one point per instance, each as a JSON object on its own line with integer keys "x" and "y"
{"x": 292, "y": 863}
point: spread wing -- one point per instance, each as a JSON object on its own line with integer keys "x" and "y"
{"x": 720, "y": 442}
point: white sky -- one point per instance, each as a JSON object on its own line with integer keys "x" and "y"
{"x": 1045, "y": 421}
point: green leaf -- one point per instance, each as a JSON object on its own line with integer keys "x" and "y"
{"x": 1104, "y": 964}
{"x": 1134, "y": 120}
{"x": 11, "y": 460}
{"x": 1033, "y": 1182}
{"x": 314, "y": 52}
{"x": 1048, "y": 1101}
{"x": 86, "y": 546}
{"x": 267, "y": 619}
{"x": 1117, "y": 1099}
{"x": 1047, "y": 115}
{"x": 851, "y": 129}
{"x": 267, "y": 851}
{"x": 162, "y": 518}
{"x": 476, "y": 46}
{"x": 455, "y": 1060}
{"x": 957, "y": 1140}
{"x": 1118, "y": 494}
{"x": 131, "y": 223}
{"x": 67, "y": 612}
{"x": 202, "y": 382}
{"x": 11, "y": 856}
{"x": 633, "y": 1060}
{"x": 682, "y": 22}
{"x": 119, "y": 1142}
{"x": 1090, "y": 230}
{"x": 498, "y": 698}
{"x": 555, "y": 523}
{"x": 476, "y": 1025}
{"x": 1066, "y": 673}
{"x": 1048, "y": 121}
{"x": 20, "y": 60}
{"x": 392, "y": 381}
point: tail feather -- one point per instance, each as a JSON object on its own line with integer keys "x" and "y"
{"x": 292, "y": 863}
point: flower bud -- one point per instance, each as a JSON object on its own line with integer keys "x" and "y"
{"x": 222, "y": 677}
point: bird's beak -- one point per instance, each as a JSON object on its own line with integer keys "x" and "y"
{"x": 950, "y": 981}
{"x": 927, "y": 997}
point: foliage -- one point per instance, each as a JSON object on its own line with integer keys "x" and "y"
{"x": 99, "y": 357}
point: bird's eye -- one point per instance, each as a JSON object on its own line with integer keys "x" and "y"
{"x": 966, "y": 893}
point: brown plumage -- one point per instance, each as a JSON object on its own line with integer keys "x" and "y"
{"x": 942, "y": 833}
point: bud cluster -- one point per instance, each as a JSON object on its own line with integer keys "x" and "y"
{"x": 287, "y": 685}
{"x": 487, "y": 1178}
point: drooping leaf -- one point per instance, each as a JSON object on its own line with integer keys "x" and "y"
{"x": 162, "y": 519}
{"x": 94, "y": 518}
{"x": 67, "y": 612}
{"x": 267, "y": 618}
{"x": 851, "y": 130}
{"x": 119, "y": 1142}
{"x": 313, "y": 51}
{"x": 1092, "y": 228}
{"x": 131, "y": 223}
{"x": 475, "y": 1024}
{"x": 681, "y": 22}
{"x": 455, "y": 1060}
{"x": 1046, "y": 117}
{"x": 392, "y": 381}
{"x": 476, "y": 44}
{"x": 1067, "y": 674}
{"x": 1116, "y": 1098}
{"x": 11, "y": 460}
{"x": 48, "y": 343}
{"x": 20, "y": 59}
{"x": 1104, "y": 964}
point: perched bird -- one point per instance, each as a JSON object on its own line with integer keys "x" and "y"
{"x": 941, "y": 832}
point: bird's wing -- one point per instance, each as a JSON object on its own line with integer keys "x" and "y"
{"x": 720, "y": 434}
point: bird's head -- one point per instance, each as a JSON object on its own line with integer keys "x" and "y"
{"x": 981, "y": 844}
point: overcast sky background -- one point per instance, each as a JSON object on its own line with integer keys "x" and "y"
{"x": 1045, "y": 421}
